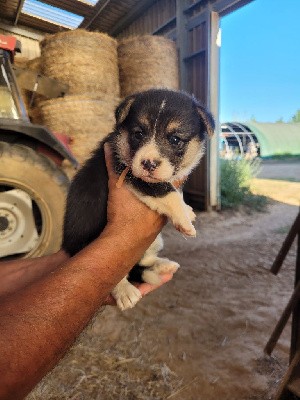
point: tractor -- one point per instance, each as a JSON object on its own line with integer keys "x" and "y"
{"x": 33, "y": 185}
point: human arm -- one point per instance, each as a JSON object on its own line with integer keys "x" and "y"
{"x": 39, "y": 323}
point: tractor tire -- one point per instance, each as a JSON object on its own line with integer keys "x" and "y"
{"x": 33, "y": 191}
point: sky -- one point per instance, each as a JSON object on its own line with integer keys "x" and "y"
{"x": 260, "y": 62}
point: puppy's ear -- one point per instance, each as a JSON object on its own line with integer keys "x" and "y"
{"x": 206, "y": 117}
{"x": 123, "y": 109}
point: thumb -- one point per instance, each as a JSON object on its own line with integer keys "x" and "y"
{"x": 108, "y": 162}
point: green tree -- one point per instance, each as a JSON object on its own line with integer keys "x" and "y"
{"x": 296, "y": 117}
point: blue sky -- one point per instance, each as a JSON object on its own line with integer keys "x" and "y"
{"x": 260, "y": 62}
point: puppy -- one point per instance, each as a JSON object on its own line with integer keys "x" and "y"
{"x": 159, "y": 135}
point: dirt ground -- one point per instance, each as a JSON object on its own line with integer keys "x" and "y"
{"x": 202, "y": 335}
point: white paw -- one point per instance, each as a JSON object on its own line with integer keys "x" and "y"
{"x": 126, "y": 295}
{"x": 152, "y": 275}
{"x": 185, "y": 226}
{"x": 166, "y": 267}
{"x": 190, "y": 213}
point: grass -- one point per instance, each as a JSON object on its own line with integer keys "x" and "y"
{"x": 236, "y": 176}
{"x": 279, "y": 190}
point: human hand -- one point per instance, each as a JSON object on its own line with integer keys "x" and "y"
{"x": 126, "y": 212}
{"x": 144, "y": 288}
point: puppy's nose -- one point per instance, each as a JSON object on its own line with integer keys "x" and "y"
{"x": 150, "y": 165}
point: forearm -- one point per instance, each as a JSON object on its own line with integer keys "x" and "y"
{"x": 16, "y": 274}
{"x": 71, "y": 295}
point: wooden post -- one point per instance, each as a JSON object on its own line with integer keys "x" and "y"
{"x": 286, "y": 246}
{"x": 295, "y": 338}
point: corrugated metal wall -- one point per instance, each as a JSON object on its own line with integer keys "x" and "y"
{"x": 30, "y": 46}
{"x": 157, "y": 19}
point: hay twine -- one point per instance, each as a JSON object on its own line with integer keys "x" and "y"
{"x": 146, "y": 62}
{"x": 86, "y": 61}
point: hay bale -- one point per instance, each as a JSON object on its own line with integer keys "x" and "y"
{"x": 86, "y": 119}
{"x": 20, "y": 62}
{"x": 34, "y": 114}
{"x": 86, "y": 61}
{"x": 146, "y": 62}
{"x": 35, "y": 64}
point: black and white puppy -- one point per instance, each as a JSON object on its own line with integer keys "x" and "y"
{"x": 159, "y": 134}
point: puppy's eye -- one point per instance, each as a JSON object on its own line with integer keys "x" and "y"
{"x": 137, "y": 133}
{"x": 175, "y": 140}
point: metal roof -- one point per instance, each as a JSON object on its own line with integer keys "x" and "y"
{"x": 110, "y": 16}
{"x": 57, "y": 15}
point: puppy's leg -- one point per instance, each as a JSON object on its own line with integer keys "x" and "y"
{"x": 173, "y": 206}
{"x": 189, "y": 209}
{"x": 126, "y": 295}
{"x": 156, "y": 265}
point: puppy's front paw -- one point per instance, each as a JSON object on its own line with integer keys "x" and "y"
{"x": 166, "y": 266}
{"x": 126, "y": 295}
{"x": 162, "y": 266}
{"x": 190, "y": 213}
{"x": 185, "y": 226}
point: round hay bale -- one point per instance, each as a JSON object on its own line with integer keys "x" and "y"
{"x": 87, "y": 120}
{"x": 86, "y": 61}
{"x": 147, "y": 62}
{"x": 35, "y": 64}
{"x": 35, "y": 116}
{"x": 20, "y": 62}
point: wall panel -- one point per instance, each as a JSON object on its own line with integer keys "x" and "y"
{"x": 30, "y": 46}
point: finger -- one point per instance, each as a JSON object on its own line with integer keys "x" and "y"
{"x": 108, "y": 161}
{"x": 146, "y": 288}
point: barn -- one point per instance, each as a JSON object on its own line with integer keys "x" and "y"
{"x": 193, "y": 25}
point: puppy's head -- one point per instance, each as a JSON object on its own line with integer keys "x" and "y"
{"x": 161, "y": 134}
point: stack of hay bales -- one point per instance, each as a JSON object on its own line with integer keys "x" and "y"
{"x": 147, "y": 62}
{"x": 87, "y": 62}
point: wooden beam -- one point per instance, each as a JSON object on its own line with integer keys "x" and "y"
{"x": 165, "y": 26}
{"x": 295, "y": 229}
{"x": 295, "y": 336}
{"x": 283, "y": 320}
{"x": 18, "y": 12}
{"x": 224, "y": 7}
{"x": 99, "y": 7}
{"x": 182, "y": 42}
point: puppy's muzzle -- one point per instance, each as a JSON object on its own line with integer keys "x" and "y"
{"x": 150, "y": 165}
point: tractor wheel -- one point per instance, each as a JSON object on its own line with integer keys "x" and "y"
{"x": 32, "y": 197}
